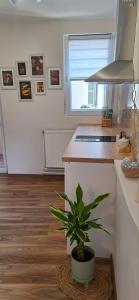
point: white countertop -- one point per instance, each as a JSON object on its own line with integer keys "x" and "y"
{"x": 130, "y": 188}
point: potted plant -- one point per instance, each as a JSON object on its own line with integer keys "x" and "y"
{"x": 77, "y": 222}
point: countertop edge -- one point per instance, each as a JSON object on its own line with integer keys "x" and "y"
{"x": 88, "y": 160}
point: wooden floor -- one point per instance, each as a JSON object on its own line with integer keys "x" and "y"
{"x": 30, "y": 247}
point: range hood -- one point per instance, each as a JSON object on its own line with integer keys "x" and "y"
{"x": 122, "y": 69}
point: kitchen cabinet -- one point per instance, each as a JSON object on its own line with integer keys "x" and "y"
{"x": 97, "y": 167}
{"x": 126, "y": 237}
{"x": 95, "y": 179}
{"x": 91, "y": 164}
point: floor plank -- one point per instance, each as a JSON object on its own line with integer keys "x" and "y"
{"x": 30, "y": 247}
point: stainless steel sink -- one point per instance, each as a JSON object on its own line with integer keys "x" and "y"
{"x": 95, "y": 138}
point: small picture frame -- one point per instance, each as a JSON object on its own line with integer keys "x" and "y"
{"x": 40, "y": 87}
{"x": 54, "y": 78}
{"x": 7, "y": 78}
{"x": 37, "y": 65}
{"x": 21, "y": 69}
{"x": 25, "y": 90}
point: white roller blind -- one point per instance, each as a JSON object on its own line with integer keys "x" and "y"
{"x": 88, "y": 54}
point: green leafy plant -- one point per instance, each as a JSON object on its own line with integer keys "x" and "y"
{"x": 84, "y": 106}
{"x": 77, "y": 222}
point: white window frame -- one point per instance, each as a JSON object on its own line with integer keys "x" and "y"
{"x": 67, "y": 91}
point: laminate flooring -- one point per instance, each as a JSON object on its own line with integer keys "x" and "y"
{"x": 30, "y": 247}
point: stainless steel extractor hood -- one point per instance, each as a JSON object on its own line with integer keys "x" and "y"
{"x": 122, "y": 69}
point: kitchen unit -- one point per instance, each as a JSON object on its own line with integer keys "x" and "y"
{"x": 126, "y": 236}
{"x": 97, "y": 167}
{"x": 92, "y": 165}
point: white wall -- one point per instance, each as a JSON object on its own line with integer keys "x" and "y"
{"x": 136, "y": 48}
{"x": 24, "y": 122}
{"x": 136, "y": 68}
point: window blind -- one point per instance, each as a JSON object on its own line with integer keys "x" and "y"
{"x": 88, "y": 54}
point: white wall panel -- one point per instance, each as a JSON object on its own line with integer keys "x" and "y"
{"x": 24, "y": 122}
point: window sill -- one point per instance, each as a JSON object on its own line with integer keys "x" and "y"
{"x": 84, "y": 113}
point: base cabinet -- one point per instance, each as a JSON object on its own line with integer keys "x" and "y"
{"x": 95, "y": 179}
{"x": 126, "y": 250}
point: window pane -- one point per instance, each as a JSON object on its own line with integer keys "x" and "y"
{"x": 84, "y": 95}
{"x": 85, "y": 55}
{"x": 92, "y": 93}
{"x": 102, "y": 101}
{"x": 137, "y": 95}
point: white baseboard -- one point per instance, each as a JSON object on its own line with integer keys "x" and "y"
{"x": 3, "y": 170}
{"x": 54, "y": 171}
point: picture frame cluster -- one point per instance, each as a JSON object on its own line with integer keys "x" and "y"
{"x": 30, "y": 78}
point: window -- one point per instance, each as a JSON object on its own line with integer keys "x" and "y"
{"x": 84, "y": 56}
{"x": 137, "y": 96}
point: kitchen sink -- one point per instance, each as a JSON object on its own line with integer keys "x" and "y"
{"x": 95, "y": 138}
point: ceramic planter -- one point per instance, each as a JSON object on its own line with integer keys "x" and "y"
{"x": 83, "y": 272}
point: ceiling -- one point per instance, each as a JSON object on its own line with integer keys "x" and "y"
{"x": 60, "y": 8}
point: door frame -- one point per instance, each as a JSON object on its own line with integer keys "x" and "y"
{"x": 4, "y": 169}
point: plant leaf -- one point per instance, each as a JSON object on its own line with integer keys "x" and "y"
{"x": 80, "y": 207}
{"x": 79, "y": 193}
{"x": 85, "y": 227}
{"x": 72, "y": 239}
{"x": 97, "y": 226}
{"x": 87, "y": 238}
{"x": 64, "y": 197}
{"x": 70, "y": 231}
{"x": 60, "y": 209}
{"x": 62, "y": 228}
{"x": 105, "y": 230}
{"x": 58, "y": 214}
{"x": 70, "y": 217}
{"x": 85, "y": 214}
{"x": 96, "y": 202}
{"x": 81, "y": 235}
{"x": 94, "y": 224}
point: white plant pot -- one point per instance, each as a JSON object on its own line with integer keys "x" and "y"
{"x": 83, "y": 272}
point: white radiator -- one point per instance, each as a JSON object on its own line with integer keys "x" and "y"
{"x": 55, "y": 142}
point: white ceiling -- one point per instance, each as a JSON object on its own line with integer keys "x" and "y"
{"x": 60, "y": 8}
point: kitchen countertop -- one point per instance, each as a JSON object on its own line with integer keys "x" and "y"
{"x": 130, "y": 189}
{"x": 98, "y": 152}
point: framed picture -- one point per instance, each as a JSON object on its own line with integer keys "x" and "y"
{"x": 37, "y": 65}
{"x": 54, "y": 78}
{"x": 21, "y": 68}
{"x": 25, "y": 90}
{"x": 40, "y": 87}
{"x": 7, "y": 78}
